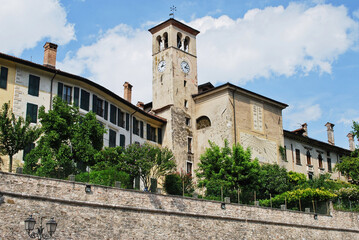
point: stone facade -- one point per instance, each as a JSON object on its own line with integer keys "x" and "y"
{"x": 112, "y": 213}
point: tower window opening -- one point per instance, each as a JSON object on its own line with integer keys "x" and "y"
{"x": 179, "y": 40}
{"x": 184, "y": 83}
{"x": 165, "y": 40}
{"x": 186, "y": 44}
{"x": 159, "y": 43}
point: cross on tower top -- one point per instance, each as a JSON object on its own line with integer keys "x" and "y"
{"x": 172, "y": 9}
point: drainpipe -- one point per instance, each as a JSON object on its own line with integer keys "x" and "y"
{"x": 234, "y": 118}
{"x": 52, "y": 80}
{"x": 131, "y": 126}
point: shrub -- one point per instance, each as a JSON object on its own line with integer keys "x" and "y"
{"x": 173, "y": 184}
{"x": 106, "y": 177}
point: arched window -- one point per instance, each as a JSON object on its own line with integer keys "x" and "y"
{"x": 203, "y": 122}
{"x": 186, "y": 44}
{"x": 320, "y": 160}
{"x": 165, "y": 40}
{"x": 309, "y": 160}
{"x": 179, "y": 40}
{"x": 159, "y": 43}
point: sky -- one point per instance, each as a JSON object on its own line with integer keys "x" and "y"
{"x": 302, "y": 53}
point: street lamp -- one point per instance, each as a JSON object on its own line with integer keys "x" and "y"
{"x": 50, "y": 227}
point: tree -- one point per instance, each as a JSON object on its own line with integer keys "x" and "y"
{"x": 68, "y": 144}
{"x": 15, "y": 134}
{"x": 350, "y": 164}
{"x": 273, "y": 180}
{"x": 229, "y": 169}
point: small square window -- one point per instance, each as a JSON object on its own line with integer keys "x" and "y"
{"x": 34, "y": 84}
{"x": 189, "y": 168}
{"x": 188, "y": 121}
{"x": 185, "y": 103}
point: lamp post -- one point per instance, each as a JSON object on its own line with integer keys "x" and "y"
{"x": 40, "y": 234}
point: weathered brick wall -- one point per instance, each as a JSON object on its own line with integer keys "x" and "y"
{"x": 111, "y": 213}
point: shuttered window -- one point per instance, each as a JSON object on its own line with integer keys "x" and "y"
{"x": 120, "y": 121}
{"x": 151, "y": 133}
{"x": 122, "y": 140}
{"x": 34, "y": 83}
{"x": 105, "y": 116}
{"x": 141, "y": 129}
{"x": 85, "y": 100}
{"x": 76, "y": 96}
{"x": 112, "y": 139}
{"x": 135, "y": 126}
{"x": 31, "y": 112}
{"x": 127, "y": 121}
{"x": 113, "y": 114}
{"x": 159, "y": 133}
{"x": 3, "y": 77}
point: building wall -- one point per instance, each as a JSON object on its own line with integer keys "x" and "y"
{"x": 112, "y": 213}
{"x": 291, "y": 163}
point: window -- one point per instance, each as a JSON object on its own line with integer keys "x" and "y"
{"x": 85, "y": 100}
{"x": 310, "y": 176}
{"x": 113, "y": 113}
{"x": 309, "y": 160}
{"x": 185, "y": 103}
{"x": 105, "y": 116}
{"x": 320, "y": 160}
{"x": 3, "y": 77}
{"x": 189, "y": 145}
{"x": 186, "y": 44}
{"x": 203, "y": 122}
{"x": 28, "y": 149}
{"x": 76, "y": 96}
{"x": 121, "y": 121}
{"x": 122, "y": 140}
{"x": 329, "y": 164}
{"x": 188, "y": 121}
{"x": 34, "y": 83}
{"x": 141, "y": 129}
{"x": 67, "y": 94}
{"x": 179, "y": 40}
{"x": 151, "y": 133}
{"x": 112, "y": 139}
{"x": 184, "y": 83}
{"x": 31, "y": 112}
{"x": 189, "y": 168}
{"x": 159, "y": 133}
{"x": 135, "y": 126}
{"x": 127, "y": 121}
{"x": 297, "y": 156}
{"x": 97, "y": 105}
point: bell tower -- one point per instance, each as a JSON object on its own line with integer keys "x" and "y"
{"x": 174, "y": 69}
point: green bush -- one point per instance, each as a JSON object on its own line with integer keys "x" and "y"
{"x": 173, "y": 184}
{"x": 106, "y": 177}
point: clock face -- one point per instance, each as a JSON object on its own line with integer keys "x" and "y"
{"x": 185, "y": 67}
{"x": 161, "y": 66}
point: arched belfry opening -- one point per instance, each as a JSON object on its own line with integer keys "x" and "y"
{"x": 186, "y": 44}
{"x": 179, "y": 40}
{"x": 165, "y": 40}
{"x": 203, "y": 122}
{"x": 159, "y": 43}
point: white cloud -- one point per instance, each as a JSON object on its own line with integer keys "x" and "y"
{"x": 264, "y": 43}
{"x": 305, "y": 112}
{"x": 273, "y": 41}
{"x": 348, "y": 116}
{"x": 356, "y": 13}
{"x": 119, "y": 55}
{"x": 25, "y": 23}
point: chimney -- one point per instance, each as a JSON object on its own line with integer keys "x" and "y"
{"x": 330, "y": 132}
{"x": 50, "y": 50}
{"x": 351, "y": 142}
{"x": 127, "y": 91}
{"x": 140, "y": 105}
{"x": 304, "y": 126}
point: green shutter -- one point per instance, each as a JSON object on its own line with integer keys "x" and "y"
{"x": 148, "y": 128}
{"x": 159, "y": 137}
{"x": 113, "y": 113}
{"x": 85, "y": 100}
{"x": 106, "y": 111}
{"x": 76, "y": 96}
{"x": 112, "y": 139}
{"x": 120, "y": 121}
{"x": 94, "y": 103}
{"x": 127, "y": 121}
{"x": 31, "y": 112}
{"x": 34, "y": 83}
{"x": 60, "y": 88}
{"x": 3, "y": 77}
{"x": 122, "y": 140}
{"x": 141, "y": 129}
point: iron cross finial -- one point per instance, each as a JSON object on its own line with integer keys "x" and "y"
{"x": 173, "y": 9}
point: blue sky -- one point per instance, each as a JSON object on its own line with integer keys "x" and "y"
{"x": 303, "y": 53}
